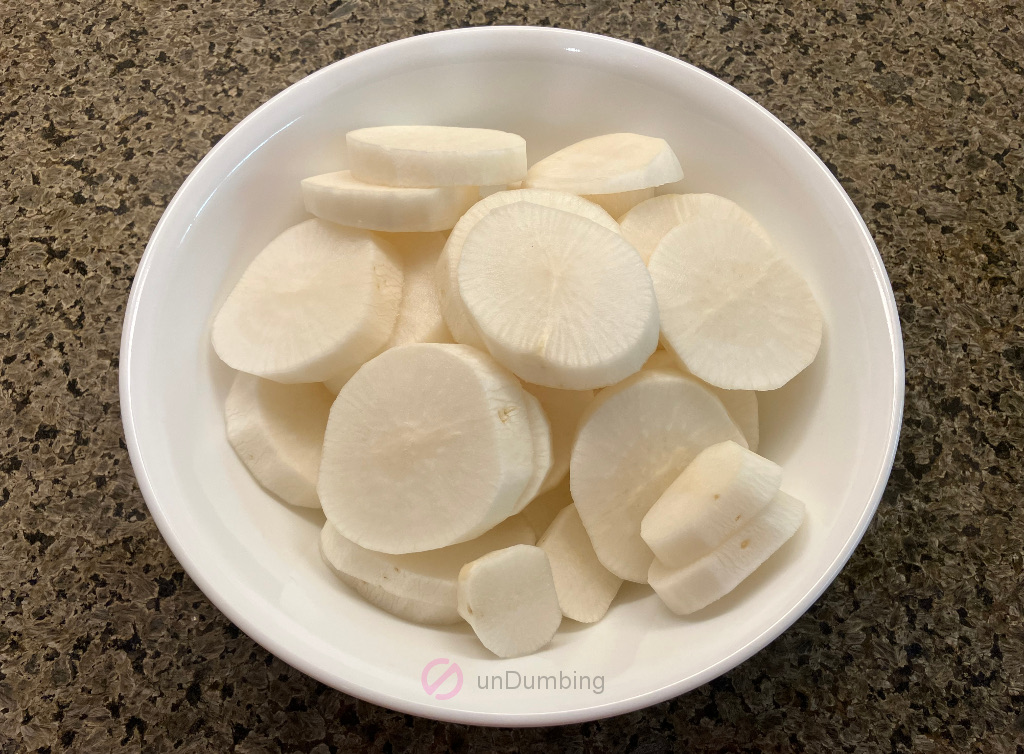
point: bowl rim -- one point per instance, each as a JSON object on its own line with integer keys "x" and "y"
{"x": 220, "y": 597}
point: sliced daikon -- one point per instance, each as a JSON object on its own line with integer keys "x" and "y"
{"x": 319, "y": 299}
{"x": 340, "y": 198}
{"x": 428, "y": 579}
{"x": 542, "y": 511}
{"x": 337, "y": 382}
{"x": 686, "y": 590}
{"x": 509, "y": 599}
{"x": 427, "y": 445}
{"x": 620, "y": 203}
{"x": 741, "y": 404}
{"x": 540, "y": 431}
{"x": 736, "y": 313}
{"x": 563, "y": 409}
{"x": 407, "y": 608}
{"x": 585, "y": 587}
{"x": 277, "y": 431}
{"x": 419, "y": 314}
{"x": 633, "y": 441}
{"x": 558, "y": 299}
{"x": 436, "y": 156}
{"x": 647, "y": 223}
{"x": 722, "y": 489}
{"x": 742, "y": 408}
{"x": 486, "y": 191}
{"x": 446, "y": 275}
{"x": 607, "y": 164}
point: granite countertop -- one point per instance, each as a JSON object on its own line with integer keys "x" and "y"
{"x": 106, "y": 645}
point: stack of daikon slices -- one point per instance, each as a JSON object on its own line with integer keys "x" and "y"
{"x": 472, "y": 389}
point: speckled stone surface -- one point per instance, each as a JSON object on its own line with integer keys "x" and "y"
{"x": 106, "y": 646}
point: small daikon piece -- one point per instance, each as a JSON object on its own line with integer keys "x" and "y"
{"x": 428, "y": 580}
{"x": 277, "y": 431}
{"x": 509, "y": 599}
{"x": 340, "y": 198}
{"x": 723, "y": 487}
{"x": 686, "y": 590}
{"x": 585, "y": 587}
{"x": 436, "y": 156}
{"x": 608, "y": 164}
{"x": 563, "y": 409}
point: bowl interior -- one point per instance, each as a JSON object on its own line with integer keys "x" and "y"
{"x": 833, "y": 428}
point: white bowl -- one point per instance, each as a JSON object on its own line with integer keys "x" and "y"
{"x": 834, "y": 428}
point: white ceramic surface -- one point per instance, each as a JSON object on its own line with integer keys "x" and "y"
{"x": 834, "y": 428}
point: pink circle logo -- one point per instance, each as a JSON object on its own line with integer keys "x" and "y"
{"x": 431, "y": 687}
